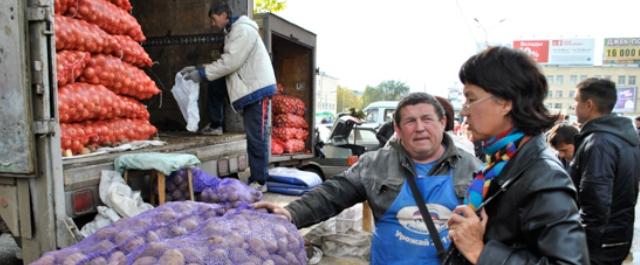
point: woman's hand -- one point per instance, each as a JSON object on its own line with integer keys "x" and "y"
{"x": 273, "y": 208}
{"x": 466, "y": 230}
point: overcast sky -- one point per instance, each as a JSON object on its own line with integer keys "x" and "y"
{"x": 424, "y": 42}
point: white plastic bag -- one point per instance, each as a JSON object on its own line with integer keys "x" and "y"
{"x": 106, "y": 216}
{"x": 186, "y": 93}
{"x": 116, "y": 194}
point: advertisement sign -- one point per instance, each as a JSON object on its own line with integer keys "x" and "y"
{"x": 571, "y": 52}
{"x": 537, "y": 49}
{"x": 626, "y": 100}
{"x": 621, "y": 50}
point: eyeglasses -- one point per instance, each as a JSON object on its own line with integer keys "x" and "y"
{"x": 466, "y": 106}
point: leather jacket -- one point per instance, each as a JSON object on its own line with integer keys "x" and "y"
{"x": 378, "y": 177}
{"x": 535, "y": 220}
{"x": 606, "y": 168}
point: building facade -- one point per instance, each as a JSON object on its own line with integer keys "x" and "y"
{"x": 326, "y": 93}
{"x": 563, "y": 80}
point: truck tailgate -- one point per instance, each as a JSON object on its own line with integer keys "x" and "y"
{"x": 86, "y": 170}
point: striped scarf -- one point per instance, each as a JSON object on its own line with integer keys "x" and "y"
{"x": 498, "y": 149}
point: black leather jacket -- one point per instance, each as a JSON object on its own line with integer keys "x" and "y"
{"x": 535, "y": 221}
{"x": 606, "y": 168}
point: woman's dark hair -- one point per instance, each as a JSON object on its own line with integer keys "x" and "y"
{"x": 602, "y": 91}
{"x": 219, "y": 7}
{"x": 448, "y": 112}
{"x": 511, "y": 75}
{"x": 414, "y": 99}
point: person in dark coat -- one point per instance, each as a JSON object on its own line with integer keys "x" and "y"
{"x": 606, "y": 168}
{"x": 521, "y": 208}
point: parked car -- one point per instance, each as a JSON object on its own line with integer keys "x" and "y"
{"x": 379, "y": 112}
{"x": 339, "y": 144}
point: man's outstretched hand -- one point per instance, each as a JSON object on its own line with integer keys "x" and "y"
{"x": 273, "y": 208}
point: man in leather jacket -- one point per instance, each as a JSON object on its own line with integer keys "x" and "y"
{"x": 422, "y": 151}
{"x": 606, "y": 170}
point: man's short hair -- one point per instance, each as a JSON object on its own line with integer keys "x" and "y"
{"x": 562, "y": 133}
{"x": 601, "y": 91}
{"x": 414, "y": 99}
{"x": 637, "y": 118}
{"x": 219, "y": 7}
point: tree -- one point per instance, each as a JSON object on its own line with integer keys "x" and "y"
{"x": 347, "y": 99}
{"x": 386, "y": 90}
{"x": 272, "y": 6}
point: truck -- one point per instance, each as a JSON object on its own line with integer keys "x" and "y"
{"x": 44, "y": 197}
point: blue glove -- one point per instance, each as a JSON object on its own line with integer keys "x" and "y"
{"x": 191, "y": 73}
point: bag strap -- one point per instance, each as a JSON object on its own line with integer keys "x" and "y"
{"x": 426, "y": 217}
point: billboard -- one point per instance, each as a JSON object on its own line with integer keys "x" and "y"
{"x": 537, "y": 49}
{"x": 626, "y": 99}
{"x": 571, "y": 52}
{"x": 621, "y": 50}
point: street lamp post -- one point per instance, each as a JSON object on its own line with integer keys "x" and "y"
{"x": 484, "y": 30}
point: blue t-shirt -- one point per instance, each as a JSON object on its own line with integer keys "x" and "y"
{"x": 401, "y": 236}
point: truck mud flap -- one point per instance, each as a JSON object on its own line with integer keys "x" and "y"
{"x": 9, "y": 208}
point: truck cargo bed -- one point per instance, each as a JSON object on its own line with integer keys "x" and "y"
{"x": 86, "y": 170}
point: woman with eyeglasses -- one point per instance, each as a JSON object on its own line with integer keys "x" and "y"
{"x": 521, "y": 207}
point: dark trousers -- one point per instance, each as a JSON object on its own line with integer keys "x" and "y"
{"x": 255, "y": 118}
{"x": 216, "y": 96}
{"x": 610, "y": 255}
{"x": 256, "y": 124}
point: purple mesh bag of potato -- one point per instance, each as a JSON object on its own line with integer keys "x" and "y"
{"x": 231, "y": 193}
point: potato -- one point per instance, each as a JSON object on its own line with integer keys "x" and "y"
{"x": 269, "y": 262}
{"x": 216, "y": 240}
{"x": 106, "y": 233}
{"x": 184, "y": 185}
{"x": 101, "y": 246}
{"x": 166, "y": 216}
{"x": 238, "y": 255}
{"x": 134, "y": 243}
{"x": 123, "y": 236}
{"x": 152, "y": 236}
{"x": 217, "y": 228}
{"x": 294, "y": 243}
{"x": 190, "y": 223}
{"x": 256, "y": 244}
{"x": 254, "y": 260}
{"x": 279, "y": 230}
{"x": 98, "y": 261}
{"x": 74, "y": 259}
{"x": 117, "y": 258}
{"x": 302, "y": 257}
{"x": 234, "y": 239}
{"x": 291, "y": 258}
{"x": 278, "y": 259}
{"x": 177, "y": 195}
{"x": 283, "y": 245}
{"x": 194, "y": 255}
{"x": 171, "y": 186}
{"x": 271, "y": 245}
{"x": 219, "y": 254}
{"x": 171, "y": 257}
{"x": 178, "y": 231}
{"x": 45, "y": 260}
{"x": 155, "y": 249}
{"x": 146, "y": 261}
